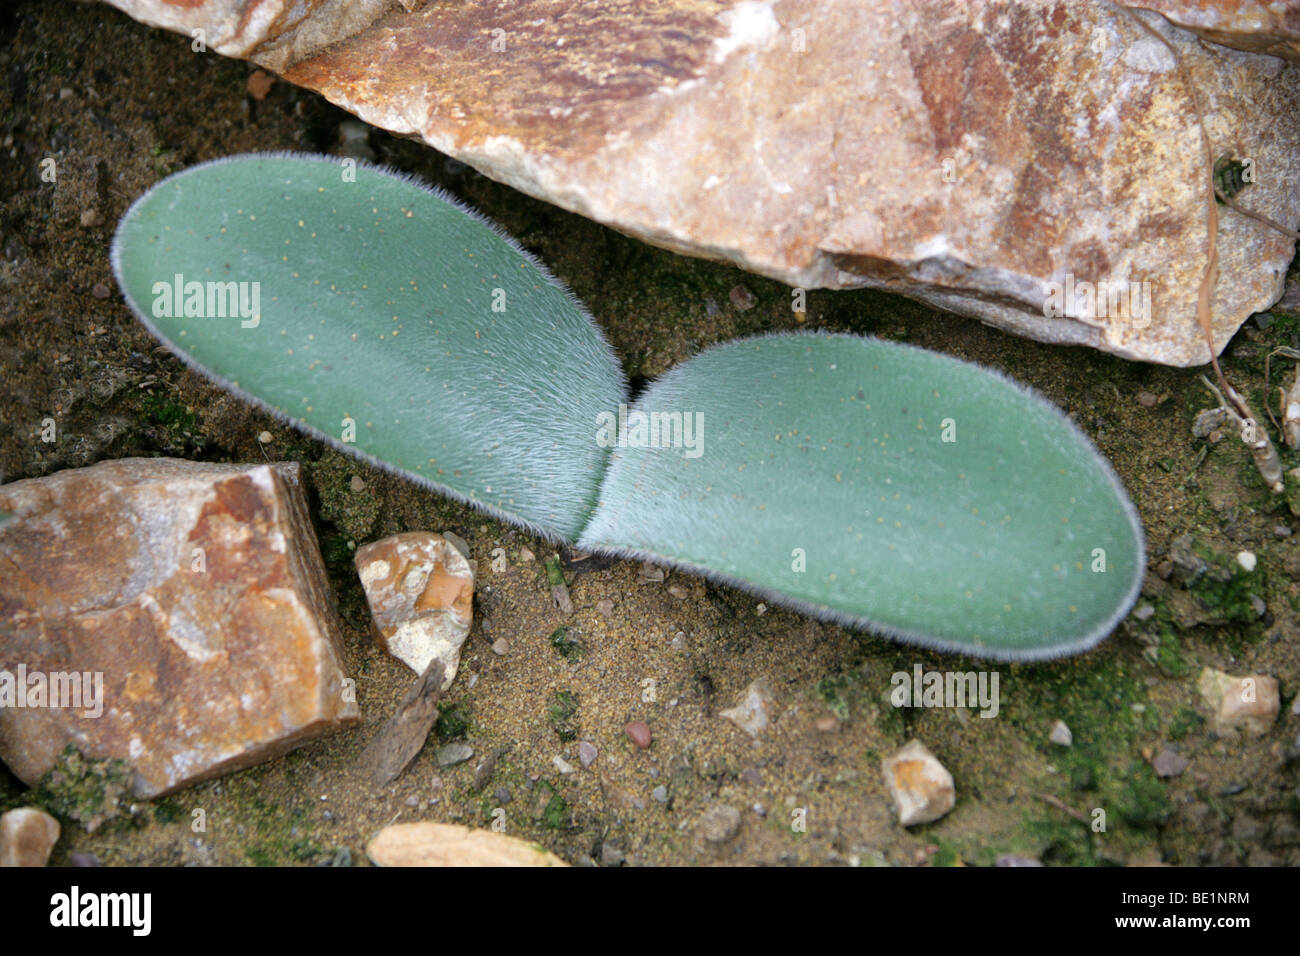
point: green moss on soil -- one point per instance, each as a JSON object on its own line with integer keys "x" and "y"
{"x": 566, "y": 644}
{"x": 454, "y": 721}
{"x": 86, "y": 790}
{"x": 563, "y": 714}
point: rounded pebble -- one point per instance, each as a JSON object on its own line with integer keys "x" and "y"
{"x": 742, "y": 298}
{"x": 719, "y": 823}
{"x": 639, "y": 733}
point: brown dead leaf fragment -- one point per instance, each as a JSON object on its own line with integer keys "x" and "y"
{"x": 404, "y": 734}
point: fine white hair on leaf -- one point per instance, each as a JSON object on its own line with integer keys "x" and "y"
{"x": 463, "y": 363}
{"x": 826, "y": 483}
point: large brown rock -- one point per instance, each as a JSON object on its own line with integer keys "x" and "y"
{"x": 967, "y": 154}
{"x": 189, "y": 603}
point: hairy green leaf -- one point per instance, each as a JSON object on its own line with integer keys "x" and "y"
{"x": 384, "y": 318}
{"x": 861, "y": 481}
{"x": 880, "y": 485}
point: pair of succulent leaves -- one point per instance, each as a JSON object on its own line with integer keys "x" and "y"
{"x": 861, "y": 481}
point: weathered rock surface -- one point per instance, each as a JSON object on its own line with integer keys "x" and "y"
{"x": 1240, "y": 704}
{"x": 967, "y": 154}
{"x": 448, "y": 844}
{"x": 921, "y": 786}
{"x": 1261, "y": 26}
{"x": 404, "y": 734}
{"x": 188, "y": 605}
{"x": 421, "y": 594}
{"x": 27, "y": 836}
{"x": 272, "y": 33}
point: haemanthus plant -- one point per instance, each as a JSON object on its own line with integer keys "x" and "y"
{"x": 865, "y": 482}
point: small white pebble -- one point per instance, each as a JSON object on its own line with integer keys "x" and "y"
{"x": 1246, "y": 559}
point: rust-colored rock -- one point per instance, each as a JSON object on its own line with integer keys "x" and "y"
{"x": 984, "y": 157}
{"x": 186, "y": 606}
{"x": 421, "y": 594}
{"x": 638, "y": 731}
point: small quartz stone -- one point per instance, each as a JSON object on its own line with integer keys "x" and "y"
{"x": 421, "y": 593}
{"x": 1240, "y": 704}
{"x": 753, "y": 713}
{"x": 1061, "y": 735}
{"x": 921, "y": 786}
{"x": 27, "y": 835}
